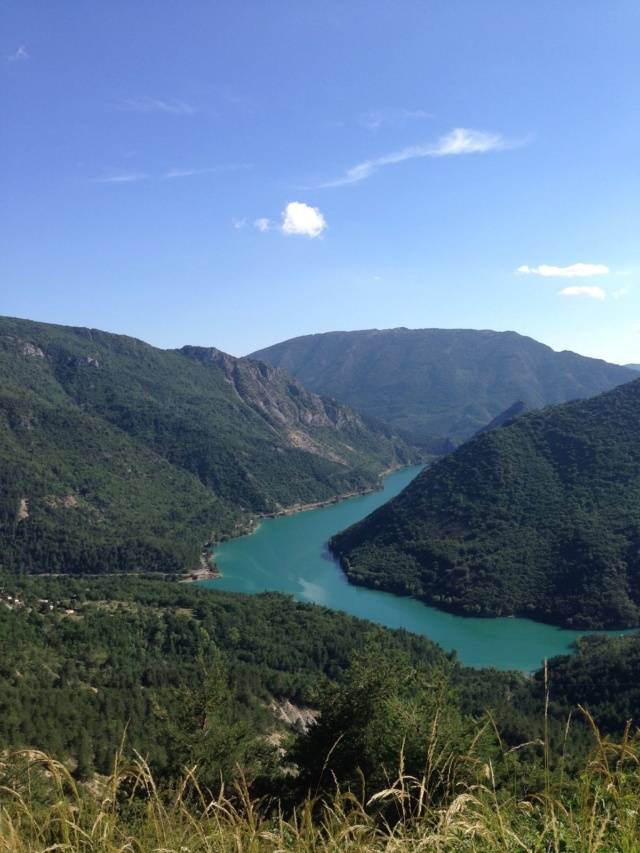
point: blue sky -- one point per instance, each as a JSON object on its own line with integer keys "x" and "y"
{"x": 234, "y": 174}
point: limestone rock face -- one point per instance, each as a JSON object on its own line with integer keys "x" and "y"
{"x": 275, "y": 394}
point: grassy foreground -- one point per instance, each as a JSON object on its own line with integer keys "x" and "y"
{"x": 43, "y": 809}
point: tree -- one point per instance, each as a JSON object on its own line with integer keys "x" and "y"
{"x": 386, "y": 713}
{"x": 202, "y": 733}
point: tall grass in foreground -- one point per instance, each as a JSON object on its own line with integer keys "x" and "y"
{"x": 598, "y": 810}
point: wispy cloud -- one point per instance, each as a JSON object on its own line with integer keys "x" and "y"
{"x": 170, "y": 174}
{"x": 583, "y": 290}
{"x": 459, "y": 141}
{"x": 297, "y": 218}
{"x": 123, "y": 178}
{"x": 376, "y": 119}
{"x": 20, "y": 54}
{"x": 194, "y": 173}
{"x": 572, "y": 271}
{"x": 185, "y": 173}
{"x": 620, "y": 294}
{"x": 211, "y": 170}
{"x": 155, "y": 105}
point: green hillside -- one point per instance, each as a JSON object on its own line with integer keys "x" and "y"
{"x": 538, "y": 518}
{"x": 444, "y": 382}
{"x": 116, "y": 456}
{"x": 303, "y": 727}
{"x": 86, "y": 660}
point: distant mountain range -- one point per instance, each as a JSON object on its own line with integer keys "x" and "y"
{"x": 116, "y": 456}
{"x": 442, "y": 382}
{"x": 633, "y": 366}
{"x": 539, "y": 518}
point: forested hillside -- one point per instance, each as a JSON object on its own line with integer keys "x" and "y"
{"x": 89, "y": 662}
{"x": 116, "y": 456}
{"x": 443, "y": 382}
{"x": 85, "y": 661}
{"x": 538, "y": 518}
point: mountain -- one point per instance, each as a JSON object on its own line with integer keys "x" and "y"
{"x": 538, "y": 518}
{"x": 633, "y": 366}
{"x": 444, "y": 382}
{"x": 115, "y": 455}
{"x": 517, "y": 409}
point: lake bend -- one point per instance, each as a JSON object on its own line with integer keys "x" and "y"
{"x": 289, "y": 554}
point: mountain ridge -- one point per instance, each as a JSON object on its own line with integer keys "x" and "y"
{"x": 118, "y": 454}
{"x": 443, "y": 382}
{"x": 537, "y": 518}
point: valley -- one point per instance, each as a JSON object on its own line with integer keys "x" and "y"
{"x": 289, "y": 555}
{"x": 320, "y": 427}
{"x": 126, "y": 468}
{"x": 132, "y": 458}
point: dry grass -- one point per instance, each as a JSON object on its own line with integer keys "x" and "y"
{"x": 598, "y": 812}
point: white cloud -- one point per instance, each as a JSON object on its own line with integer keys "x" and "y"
{"x": 124, "y": 178}
{"x": 238, "y": 223}
{"x": 154, "y": 105}
{"x": 188, "y": 173}
{"x": 572, "y": 271}
{"x": 297, "y": 218}
{"x": 300, "y": 218}
{"x": 459, "y": 141}
{"x": 21, "y": 53}
{"x": 211, "y": 170}
{"x": 184, "y": 173}
{"x": 170, "y": 174}
{"x": 620, "y": 294}
{"x": 583, "y": 290}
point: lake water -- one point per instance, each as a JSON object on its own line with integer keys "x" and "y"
{"x": 289, "y": 554}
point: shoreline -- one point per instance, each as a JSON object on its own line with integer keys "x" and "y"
{"x": 291, "y": 510}
{"x": 205, "y": 572}
{"x": 337, "y": 499}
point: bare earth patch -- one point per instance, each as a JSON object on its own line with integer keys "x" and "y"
{"x": 303, "y": 441}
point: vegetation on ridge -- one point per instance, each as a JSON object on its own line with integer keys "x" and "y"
{"x": 116, "y": 456}
{"x": 87, "y": 660}
{"x": 393, "y": 763}
{"x": 405, "y": 745}
{"x": 539, "y": 518}
{"x": 442, "y": 382}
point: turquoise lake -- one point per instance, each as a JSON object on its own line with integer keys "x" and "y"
{"x": 289, "y": 554}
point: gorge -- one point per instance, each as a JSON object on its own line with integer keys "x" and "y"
{"x": 289, "y": 554}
